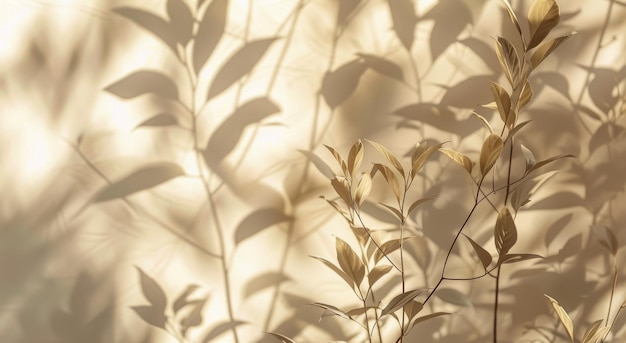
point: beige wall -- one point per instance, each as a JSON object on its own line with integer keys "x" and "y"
{"x": 67, "y": 261}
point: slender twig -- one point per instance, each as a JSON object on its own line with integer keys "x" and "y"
{"x": 495, "y": 306}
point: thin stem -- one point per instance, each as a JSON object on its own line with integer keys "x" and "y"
{"x": 608, "y": 314}
{"x": 495, "y": 307}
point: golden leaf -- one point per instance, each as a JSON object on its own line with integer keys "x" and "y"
{"x": 490, "y": 152}
{"x": 543, "y": 15}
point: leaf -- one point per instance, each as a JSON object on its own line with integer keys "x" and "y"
{"x": 227, "y": 135}
{"x": 332, "y": 309}
{"x": 591, "y": 332}
{"x": 337, "y": 271}
{"x": 363, "y": 189}
{"x": 258, "y": 221}
{"x": 459, "y": 158}
{"x": 438, "y": 116}
{"x": 547, "y": 161}
{"x": 340, "y": 160}
{"x": 181, "y": 20}
{"x": 604, "y": 88}
{"x": 387, "y": 248}
{"x": 318, "y": 163}
{"x": 162, "y": 119}
{"x": 483, "y": 255}
{"x": 606, "y": 237}
{"x": 507, "y": 55}
{"x": 154, "y": 24}
{"x": 468, "y": 93}
{"x": 181, "y": 301}
{"x": 282, "y": 338}
{"x": 490, "y": 152}
{"x": 150, "y": 315}
{"x": 484, "y": 121}
{"x": 503, "y": 102}
{"x": 412, "y": 308}
{"x": 404, "y": 20}
{"x": 427, "y": 317}
{"x": 350, "y": 262}
{"x": 376, "y": 273}
{"x": 144, "y": 178}
{"x": 194, "y": 318}
{"x": 144, "y": 82}
{"x": 382, "y": 66}
{"x": 546, "y": 49}
{"x": 525, "y": 96}
{"x": 355, "y": 157}
{"x": 390, "y": 177}
{"x": 394, "y": 211}
{"x": 418, "y": 160}
{"x": 389, "y": 156}
{"x": 563, "y": 317}
{"x": 482, "y": 50}
{"x": 399, "y": 301}
{"x": 513, "y": 17}
{"x": 210, "y": 31}
{"x": 543, "y": 15}
{"x": 556, "y": 228}
{"x": 338, "y": 85}
{"x": 152, "y": 291}
{"x": 514, "y": 258}
{"x": 453, "y": 297}
{"x": 505, "y": 234}
{"x": 343, "y": 190}
{"x": 220, "y": 329}
{"x": 518, "y": 127}
{"x": 416, "y": 204}
{"x": 529, "y": 156}
{"x": 522, "y": 193}
{"x": 605, "y": 134}
{"x": 238, "y": 65}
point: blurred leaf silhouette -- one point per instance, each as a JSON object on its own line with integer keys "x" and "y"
{"x": 153, "y": 23}
{"x": 143, "y": 82}
{"x": 210, "y": 32}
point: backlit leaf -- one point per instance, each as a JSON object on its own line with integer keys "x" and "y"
{"x": 546, "y": 48}
{"x": 503, "y": 102}
{"x": 333, "y": 310}
{"x": 404, "y": 20}
{"x": 152, "y": 291}
{"x": 453, "y": 297}
{"x": 238, "y": 65}
{"x": 543, "y": 15}
{"x": 340, "y": 160}
{"x": 154, "y": 24}
{"x": 350, "y": 262}
{"x": 389, "y": 156}
{"x": 514, "y": 258}
{"x": 512, "y": 17}
{"x": 399, "y": 301}
{"x": 210, "y": 31}
{"x": 505, "y": 235}
{"x": 387, "y": 248}
{"x": 343, "y": 190}
{"x": 390, "y": 177}
{"x": 490, "y": 152}
{"x": 507, "y": 55}
{"x": 163, "y": 119}
{"x": 219, "y": 329}
{"x": 459, "y": 158}
{"x": 339, "y": 84}
{"x": 355, "y": 157}
{"x": 427, "y": 317}
{"x": 282, "y": 338}
{"x": 363, "y": 189}
{"x": 394, "y": 211}
{"x": 418, "y": 161}
{"x": 547, "y": 161}
{"x": 484, "y": 120}
{"x": 258, "y": 221}
{"x": 225, "y": 138}
{"x": 563, "y": 317}
{"x": 483, "y": 255}
{"x": 318, "y": 163}
{"x": 518, "y": 127}
{"x": 376, "y": 273}
{"x": 382, "y": 66}
{"x": 144, "y": 178}
{"x": 591, "y": 331}
{"x": 144, "y": 82}
{"x": 529, "y": 156}
{"x": 525, "y": 96}
{"x": 417, "y": 203}
{"x": 337, "y": 271}
{"x": 181, "y": 20}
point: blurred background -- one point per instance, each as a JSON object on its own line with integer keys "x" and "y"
{"x": 221, "y": 225}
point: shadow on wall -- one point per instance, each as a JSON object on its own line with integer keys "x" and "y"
{"x": 162, "y": 164}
